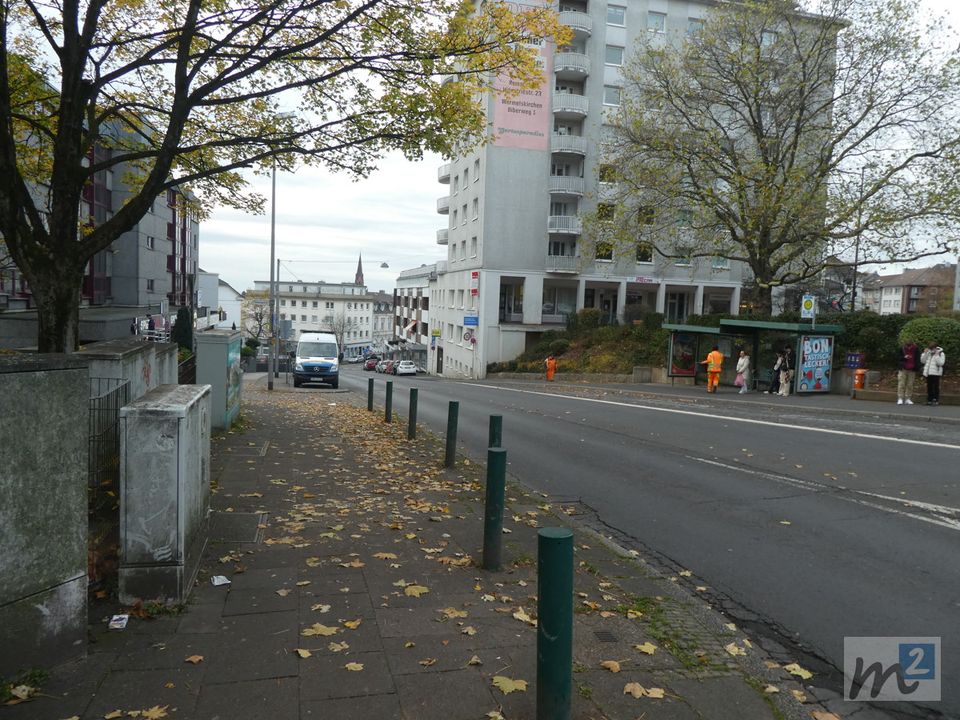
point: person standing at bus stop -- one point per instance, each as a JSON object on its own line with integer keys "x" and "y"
{"x": 908, "y": 362}
{"x": 551, "y": 363}
{"x": 714, "y": 363}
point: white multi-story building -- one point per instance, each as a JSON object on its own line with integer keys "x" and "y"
{"x": 411, "y": 307}
{"x": 516, "y": 262}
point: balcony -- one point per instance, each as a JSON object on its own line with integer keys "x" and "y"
{"x": 443, "y": 205}
{"x": 566, "y": 185}
{"x": 443, "y": 236}
{"x": 573, "y": 144}
{"x": 561, "y": 263}
{"x": 579, "y": 22}
{"x": 569, "y": 106}
{"x": 564, "y": 224}
{"x": 571, "y": 65}
{"x": 443, "y": 174}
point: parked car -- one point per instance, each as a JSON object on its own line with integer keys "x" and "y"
{"x": 355, "y": 359}
{"x": 381, "y": 365}
{"x": 388, "y": 366}
{"x": 371, "y": 363}
{"x": 405, "y": 367}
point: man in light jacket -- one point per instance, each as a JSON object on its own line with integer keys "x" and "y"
{"x": 932, "y": 361}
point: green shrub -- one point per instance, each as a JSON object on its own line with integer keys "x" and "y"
{"x": 559, "y": 346}
{"x": 182, "y": 333}
{"x": 944, "y": 331}
{"x": 585, "y": 320}
{"x": 247, "y": 351}
{"x": 252, "y": 343}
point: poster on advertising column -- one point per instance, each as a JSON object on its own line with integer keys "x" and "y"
{"x": 523, "y": 119}
{"x": 815, "y": 365}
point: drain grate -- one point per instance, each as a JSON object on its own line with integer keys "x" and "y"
{"x": 605, "y": 636}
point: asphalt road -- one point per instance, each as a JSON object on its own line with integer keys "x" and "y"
{"x": 805, "y": 526}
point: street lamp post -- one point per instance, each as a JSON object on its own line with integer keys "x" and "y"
{"x": 273, "y": 291}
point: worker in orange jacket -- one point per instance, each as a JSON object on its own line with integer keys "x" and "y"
{"x": 551, "y": 363}
{"x": 714, "y": 363}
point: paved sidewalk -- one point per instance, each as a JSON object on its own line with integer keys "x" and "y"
{"x": 356, "y": 593}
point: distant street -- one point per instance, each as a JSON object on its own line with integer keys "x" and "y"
{"x": 804, "y": 526}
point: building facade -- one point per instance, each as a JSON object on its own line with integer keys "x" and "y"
{"x": 345, "y": 309}
{"x": 411, "y": 306}
{"x": 921, "y": 291}
{"x": 517, "y": 264}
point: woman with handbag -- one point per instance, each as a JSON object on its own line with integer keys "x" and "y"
{"x": 743, "y": 372}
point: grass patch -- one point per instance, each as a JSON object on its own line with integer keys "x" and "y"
{"x": 585, "y": 691}
{"x": 757, "y": 685}
{"x": 33, "y": 679}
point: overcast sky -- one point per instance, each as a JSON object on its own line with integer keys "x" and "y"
{"x": 325, "y": 221}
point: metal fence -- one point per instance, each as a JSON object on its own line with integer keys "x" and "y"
{"x": 187, "y": 371}
{"x": 107, "y": 396}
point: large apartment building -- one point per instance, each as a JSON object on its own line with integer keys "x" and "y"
{"x": 517, "y": 264}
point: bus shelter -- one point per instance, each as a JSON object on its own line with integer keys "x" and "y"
{"x": 812, "y": 346}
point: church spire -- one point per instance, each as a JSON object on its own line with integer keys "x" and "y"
{"x": 358, "y": 280}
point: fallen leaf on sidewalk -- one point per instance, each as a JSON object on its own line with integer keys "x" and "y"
{"x": 302, "y": 583}
{"x": 451, "y": 613}
{"x": 522, "y": 616}
{"x": 154, "y": 713}
{"x": 338, "y": 647}
{"x": 469, "y": 630}
{"x": 474, "y": 661}
{"x": 355, "y": 563}
{"x": 313, "y": 561}
{"x": 611, "y": 665}
{"x": 319, "y": 629}
{"x": 495, "y": 715}
{"x": 648, "y": 647}
{"x": 354, "y": 666}
{"x": 655, "y": 693}
{"x": 385, "y": 556}
{"x": 409, "y": 644}
{"x": 771, "y": 689}
{"x": 415, "y": 590}
{"x": 507, "y": 686}
{"x": 731, "y": 626}
{"x": 320, "y": 607}
{"x": 799, "y": 696}
{"x": 352, "y": 624}
{"x": 734, "y": 649}
{"x": 195, "y": 659}
{"x": 113, "y": 715}
{"x": 685, "y": 573}
{"x": 304, "y": 653}
{"x": 786, "y": 522}
{"x": 428, "y": 662}
{"x": 283, "y": 592}
{"x": 821, "y": 715}
{"x": 635, "y": 689}
{"x": 795, "y": 669}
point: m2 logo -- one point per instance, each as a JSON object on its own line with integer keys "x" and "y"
{"x": 891, "y": 668}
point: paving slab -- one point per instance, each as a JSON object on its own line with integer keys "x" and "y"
{"x": 276, "y": 699}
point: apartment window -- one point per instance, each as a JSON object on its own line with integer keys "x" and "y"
{"x": 476, "y": 208}
{"x": 656, "y": 22}
{"x": 611, "y": 95}
{"x": 473, "y": 246}
{"x": 719, "y": 263}
{"x": 767, "y": 38}
{"x": 463, "y": 250}
{"x": 694, "y": 26}
{"x": 466, "y": 176}
{"x": 454, "y": 223}
{"x": 604, "y": 250}
{"x": 303, "y": 289}
{"x": 289, "y": 288}
{"x": 283, "y": 316}
{"x": 684, "y": 258}
{"x": 149, "y": 285}
{"x": 463, "y": 217}
{"x": 313, "y": 318}
{"x": 644, "y": 252}
{"x": 303, "y": 318}
{"x": 456, "y": 184}
{"x": 283, "y": 303}
{"x": 605, "y": 212}
{"x": 476, "y": 169}
{"x": 315, "y": 303}
{"x": 151, "y": 242}
{"x": 460, "y": 298}
{"x": 614, "y": 55}
{"x": 616, "y": 15}
{"x": 303, "y": 303}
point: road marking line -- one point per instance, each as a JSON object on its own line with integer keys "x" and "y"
{"x": 749, "y": 421}
{"x": 814, "y": 486}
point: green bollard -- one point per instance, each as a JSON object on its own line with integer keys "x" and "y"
{"x": 493, "y": 508}
{"x": 388, "y": 408}
{"x": 495, "y": 436}
{"x": 554, "y": 623}
{"x": 412, "y": 419}
{"x": 370, "y": 394}
{"x": 451, "y": 455}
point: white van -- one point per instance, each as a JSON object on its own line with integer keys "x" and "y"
{"x": 317, "y": 360}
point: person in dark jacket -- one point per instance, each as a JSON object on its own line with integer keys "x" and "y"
{"x": 908, "y": 363}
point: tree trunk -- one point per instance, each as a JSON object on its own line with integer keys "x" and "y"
{"x": 56, "y": 290}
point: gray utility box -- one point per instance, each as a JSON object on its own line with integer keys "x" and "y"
{"x": 164, "y": 492}
{"x": 43, "y": 511}
{"x": 218, "y": 365}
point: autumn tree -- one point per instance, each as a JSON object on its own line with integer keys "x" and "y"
{"x": 340, "y": 326}
{"x": 255, "y": 314}
{"x": 190, "y": 93}
{"x": 779, "y": 138}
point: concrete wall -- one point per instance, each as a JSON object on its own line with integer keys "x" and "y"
{"x": 145, "y": 364}
{"x": 164, "y": 491}
{"x": 43, "y": 511}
